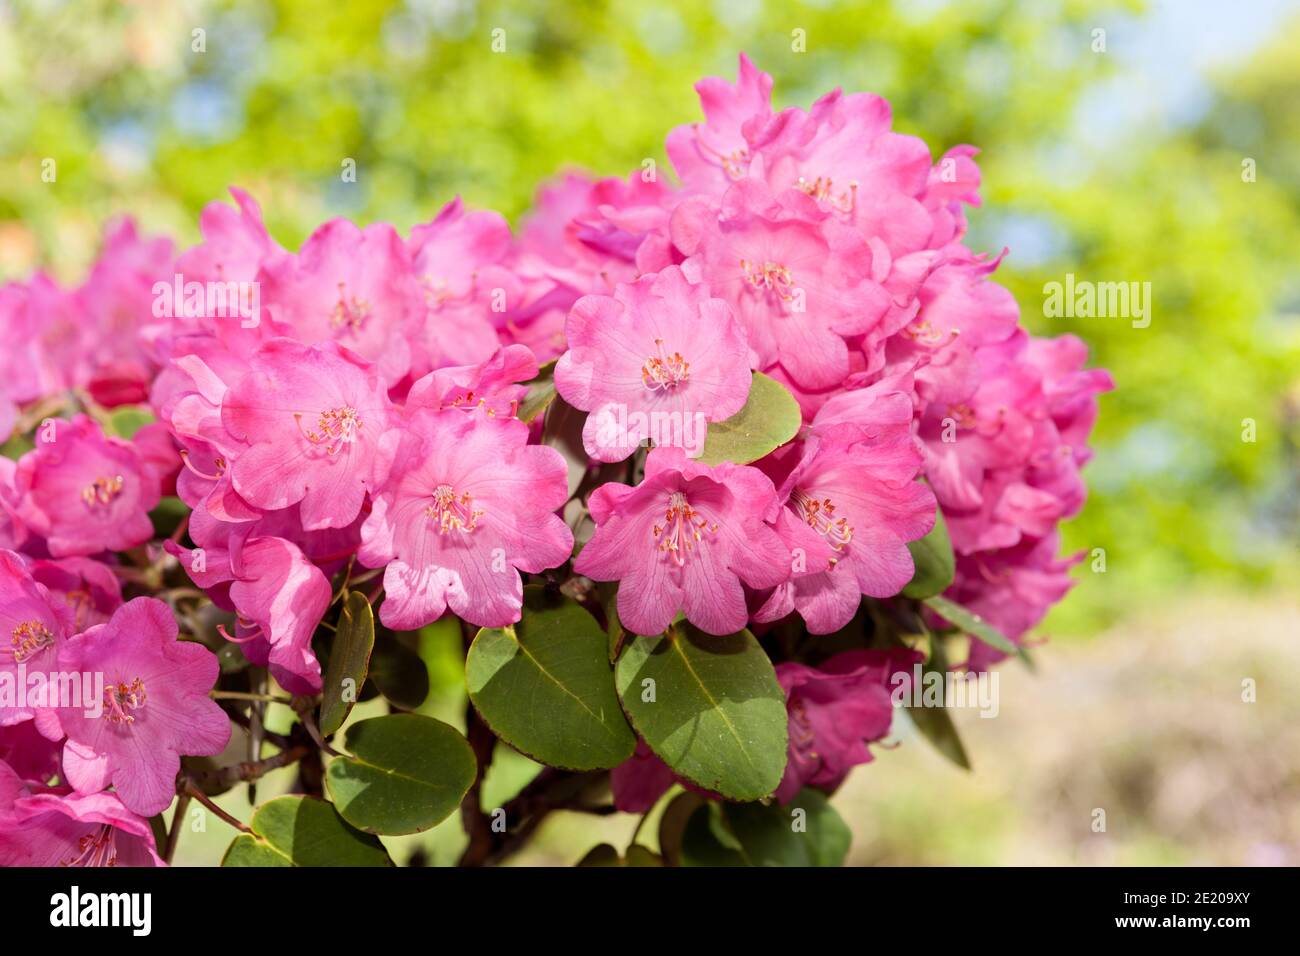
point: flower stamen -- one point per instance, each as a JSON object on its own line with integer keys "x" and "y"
{"x": 769, "y": 277}
{"x": 28, "y": 639}
{"x": 664, "y": 372}
{"x": 334, "y": 429}
{"x": 121, "y": 699}
{"x": 681, "y": 529}
{"x": 101, "y": 492}
{"x": 453, "y": 512}
{"x": 820, "y": 516}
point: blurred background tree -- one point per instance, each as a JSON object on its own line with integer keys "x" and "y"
{"x": 1117, "y": 156}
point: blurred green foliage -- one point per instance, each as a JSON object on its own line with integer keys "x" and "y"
{"x": 140, "y": 121}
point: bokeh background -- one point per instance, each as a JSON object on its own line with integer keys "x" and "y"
{"x": 1171, "y": 157}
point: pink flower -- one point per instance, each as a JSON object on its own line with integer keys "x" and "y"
{"x": 685, "y": 539}
{"x": 284, "y": 596}
{"x": 458, "y": 260}
{"x": 33, "y": 623}
{"x": 46, "y": 827}
{"x": 88, "y": 587}
{"x": 315, "y": 420}
{"x": 640, "y": 780}
{"x": 851, "y": 506}
{"x": 716, "y": 153}
{"x": 30, "y": 754}
{"x": 491, "y": 385}
{"x": 351, "y": 286}
{"x": 156, "y": 707}
{"x": 235, "y": 243}
{"x": 1012, "y": 589}
{"x": 85, "y": 492}
{"x": 116, "y": 302}
{"x": 799, "y": 285}
{"x": 470, "y": 504}
{"x": 659, "y": 350}
{"x": 835, "y": 710}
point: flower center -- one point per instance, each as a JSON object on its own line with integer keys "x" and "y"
{"x": 349, "y": 313}
{"x": 963, "y": 415}
{"x": 334, "y": 429}
{"x": 96, "y": 848}
{"x": 453, "y": 512}
{"x": 819, "y": 513}
{"x": 681, "y": 529}
{"x": 769, "y": 277}
{"x": 664, "y": 371}
{"x": 30, "y": 638}
{"x": 923, "y": 333}
{"x": 823, "y": 190}
{"x": 733, "y": 164}
{"x": 101, "y": 492}
{"x": 218, "y": 463}
{"x": 121, "y": 700}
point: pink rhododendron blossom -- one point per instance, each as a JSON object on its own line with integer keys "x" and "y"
{"x": 852, "y": 507}
{"x": 657, "y": 361}
{"x": 88, "y": 587}
{"x": 459, "y": 262}
{"x": 684, "y": 540}
{"x": 351, "y": 286}
{"x": 155, "y": 707}
{"x": 713, "y": 154}
{"x": 33, "y": 625}
{"x": 638, "y": 782}
{"x": 316, "y": 421}
{"x": 836, "y": 709}
{"x": 29, "y": 753}
{"x": 469, "y": 505}
{"x": 52, "y": 827}
{"x": 799, "y": 285}
{"x": 85, "y": 492}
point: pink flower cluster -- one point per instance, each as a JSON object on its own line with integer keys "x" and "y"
{"x": 354, "y": 405}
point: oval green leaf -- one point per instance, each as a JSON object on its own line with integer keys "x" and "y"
{"x": 971, "y": 623}
{"x": 541, "y": 392}
{"x": 405, "y": 773}
{"x": 398, "y": 671}
{"x": 709, "y": 707}
{"x": 805, "y": 832}
{"x": 934, "y": 561}
{"x": 769, "y": 419}
{"x": 545, "y": 686}
{"x": 349, "y": 662}
{"x": 303, "y": 831}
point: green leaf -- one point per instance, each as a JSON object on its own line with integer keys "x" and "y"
{"x": 606, "y": 855}
{"x": 405, "y": 774}
{"x": 770, "y": 418}
{"x": 349, "y": 662}
{"x": 303, "y": 831}
{"x": 167, "y": 515}
{"x": 971, "y": 623}
{"x": 805, "y": 832}
{"x": 709, "y": 707}
{"x": 672, "y": 825}
{"x": 541, "y": 392}
{"x": 935, "y": 723}
{"x": 398, "y": 671}
{"x": 545, "y": 686}
{"x": 125, "y": 421}
{"x": 563, "y": 432}
{"x": 934, "y": 560}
